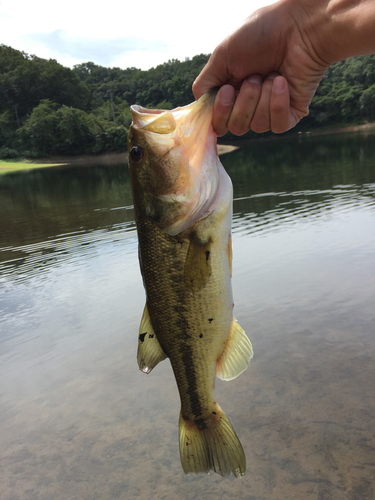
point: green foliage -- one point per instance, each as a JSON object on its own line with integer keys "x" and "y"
{"x": 121, "y": 112}
{"x": 6, "y": 153}
{"x": 26, "y": 80}
{"x": 73, "y": 131}
{"x": 7, "y": 128}
{"x": 169, "y": 82}
{"x": 111, "y": 139}
{"x": 367, "y": 103}
{"x": 338, "y": 100}
{"x": 40, "y": 130}
{"x": 68, "y": 111}
{"x": 65, "y": 130}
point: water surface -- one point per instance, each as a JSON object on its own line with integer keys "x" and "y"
{"x": 78, "y": 420}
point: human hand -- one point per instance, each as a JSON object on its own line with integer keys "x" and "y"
{"x": 268, "y": 69}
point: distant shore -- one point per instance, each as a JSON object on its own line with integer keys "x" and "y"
{"x": 121, "y": 158}
{"x": 350, "y": 128}
{"x": 107, "y": 160}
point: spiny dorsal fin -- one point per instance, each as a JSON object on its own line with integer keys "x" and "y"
{"x": 198, "y": 264}
{"x": 237, "y": 354}
{"x": 150, "y": 352}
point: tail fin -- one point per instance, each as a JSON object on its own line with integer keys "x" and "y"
{"x": 215, "y": 447}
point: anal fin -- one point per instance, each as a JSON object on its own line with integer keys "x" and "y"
{"x": 237, "y": 354}
{"x": 150, "y": 352}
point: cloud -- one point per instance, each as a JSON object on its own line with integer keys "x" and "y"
{"x": 99, "y": 51}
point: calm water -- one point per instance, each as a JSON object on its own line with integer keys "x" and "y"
{"x": 78, "y": 420}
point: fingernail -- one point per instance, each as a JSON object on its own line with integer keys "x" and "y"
{"x": 278, "y": 85}
{"x": 227, "y": 95}
{"x": 257, "y": 79}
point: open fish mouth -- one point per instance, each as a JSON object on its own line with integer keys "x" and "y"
{"x": 186, "y": 125}
{"x": 164, "y": 121}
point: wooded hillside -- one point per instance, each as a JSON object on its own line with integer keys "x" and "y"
{"x": 46, "y": 108}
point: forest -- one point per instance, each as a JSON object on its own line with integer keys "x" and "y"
{"x": 48, "y": 109}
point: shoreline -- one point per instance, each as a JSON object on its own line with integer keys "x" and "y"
{"x": 105, "y": 160}
{"x": 364, "y": 127}
{"x": 111, "y": 159}
{"x": 349, "y": 128}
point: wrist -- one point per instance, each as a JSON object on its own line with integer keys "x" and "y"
{"x": 334, "y": 30}
{"x": 353, "y": 27}
{"x": 340, "y": 28}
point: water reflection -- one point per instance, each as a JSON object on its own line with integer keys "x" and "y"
{"x": 78, "y": 420}
{"x": 275, "y": 209}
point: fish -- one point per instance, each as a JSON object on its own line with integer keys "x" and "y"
{"x": 183, "y": 201}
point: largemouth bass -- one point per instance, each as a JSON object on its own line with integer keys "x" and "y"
{"x": 183, "y": 210}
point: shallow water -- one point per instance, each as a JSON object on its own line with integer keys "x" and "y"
{"x": 78, "y": 420}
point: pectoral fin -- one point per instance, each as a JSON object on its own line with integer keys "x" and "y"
{"x": 150, "y": 352}
{"x": 236, "y": 355}
{"x": 197, "y": 270}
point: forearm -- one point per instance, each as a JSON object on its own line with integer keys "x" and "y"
{"x": 337, "y": 28}
{"x": 354, "y": 21}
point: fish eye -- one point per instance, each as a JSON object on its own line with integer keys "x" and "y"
{"x": 136, "y": 153}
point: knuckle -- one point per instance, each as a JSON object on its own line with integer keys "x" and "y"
{"x": 252, "y": 91}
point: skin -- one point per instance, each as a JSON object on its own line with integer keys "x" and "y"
{"x": 269, "y": 69}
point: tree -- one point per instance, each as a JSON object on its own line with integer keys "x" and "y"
{"x": 64, "y": 130}
{"x": 40, "y": 130}
{"x": 367, "y": 103}
{"x": 26, "y": 80}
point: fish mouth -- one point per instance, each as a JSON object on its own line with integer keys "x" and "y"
{"x": 153, "y": 120}
{"x": 187, "y": 127}
{"x": 163, "y": 121}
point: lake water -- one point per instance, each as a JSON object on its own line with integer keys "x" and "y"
{"x": 78, "y": 420}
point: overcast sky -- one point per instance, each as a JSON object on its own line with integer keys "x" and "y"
{"x": 136, "y": 33}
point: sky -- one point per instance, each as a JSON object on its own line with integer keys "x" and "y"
{"x": 137, "y": 33}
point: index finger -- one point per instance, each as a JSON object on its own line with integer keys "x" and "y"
{"x": 214, "y": 74}
{"x": 222, "y": 109}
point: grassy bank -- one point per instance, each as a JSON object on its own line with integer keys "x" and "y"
{"x": 14, "y": 165}
{"x": 7, "y": 166}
